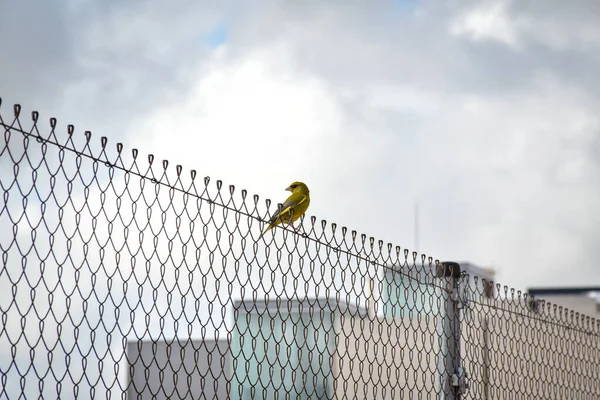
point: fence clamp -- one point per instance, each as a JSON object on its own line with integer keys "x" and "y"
{"x": 460, "y": 381}
{"x": 455, "y": 297}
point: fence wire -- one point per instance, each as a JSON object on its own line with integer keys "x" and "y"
{"x": 125, "y": 278}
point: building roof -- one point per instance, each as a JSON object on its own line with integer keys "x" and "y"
{"x": 482, "y": 272}
{"x": 553, "y": 291}
{"x": 298, "y": 305}
{"x": 418, "y": 271}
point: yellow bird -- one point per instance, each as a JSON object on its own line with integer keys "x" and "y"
{"x": 293, "y": 208}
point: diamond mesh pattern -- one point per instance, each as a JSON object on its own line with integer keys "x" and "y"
{"x": 123, "y": 277}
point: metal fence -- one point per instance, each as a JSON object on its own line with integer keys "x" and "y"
{"x": 124, "y": 277}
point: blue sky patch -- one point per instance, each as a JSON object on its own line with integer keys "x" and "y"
{"x": 218, "y": 36}
{"x": 407, "y": 5}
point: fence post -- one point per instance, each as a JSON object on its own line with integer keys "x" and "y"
{"x": 453, "y": 379}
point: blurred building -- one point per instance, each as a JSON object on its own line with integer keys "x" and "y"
{"x": 412, "y": 290}
{"x": 384, "y": 346}
{"x": 178, "y": 369}
{"x": 288, "y": 346}
{"x": 584, "y": 299}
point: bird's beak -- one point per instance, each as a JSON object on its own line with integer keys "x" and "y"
{"x": 289, "y": 188}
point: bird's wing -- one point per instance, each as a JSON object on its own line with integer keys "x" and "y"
{"x": 291, "y": 202}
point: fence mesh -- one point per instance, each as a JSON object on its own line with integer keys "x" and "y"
{"x": 123, "y": 277}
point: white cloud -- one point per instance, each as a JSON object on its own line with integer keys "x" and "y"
{"x": 489, "y": 20}
{"x": 256, "y": 117}
{"x": 480, "y": 162}
{"x": 555, "y": 24}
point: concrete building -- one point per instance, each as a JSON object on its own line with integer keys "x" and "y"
{"x": 522, "y": 352}
{"x": 178, "y": 369}
{"x": 326, "y": 348}
{"x": 289, "y": 346}
{"x": 412, "y": 290}
{"x": 583, "y": 299}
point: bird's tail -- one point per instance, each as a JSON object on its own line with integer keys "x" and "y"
{"x": 271, "y": 226}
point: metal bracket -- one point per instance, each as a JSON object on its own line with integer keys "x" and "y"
{"x": 460, "y": 381}
{"x": 455, "y": 297}
{"x": 461, "y": 300}
{"x": 460, "y": 294}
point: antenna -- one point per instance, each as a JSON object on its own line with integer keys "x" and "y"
{"x": 417, "y": 227}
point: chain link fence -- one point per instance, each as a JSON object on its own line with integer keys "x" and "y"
{"x": 125, "y": 278}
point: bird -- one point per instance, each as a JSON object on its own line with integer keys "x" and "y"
{"x": 293, "y": 208}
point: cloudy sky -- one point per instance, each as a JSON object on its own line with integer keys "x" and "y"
{"x": 485, "y": 113}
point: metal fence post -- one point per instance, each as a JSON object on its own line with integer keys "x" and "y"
{"x": 452, "y": 379}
